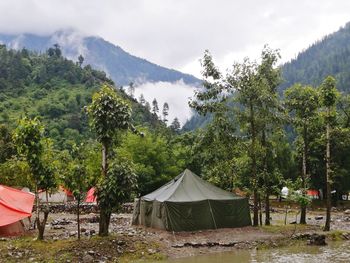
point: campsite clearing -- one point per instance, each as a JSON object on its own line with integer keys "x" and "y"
{"x": 129, "y": 244}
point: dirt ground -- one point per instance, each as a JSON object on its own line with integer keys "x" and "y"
{"x": 131, "y": 243}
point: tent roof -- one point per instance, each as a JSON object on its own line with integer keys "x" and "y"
{"x": 188, "y": 187}
{"x": 14, "y": 205}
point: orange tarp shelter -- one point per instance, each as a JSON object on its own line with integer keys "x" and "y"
{"x": 15, "y": 205}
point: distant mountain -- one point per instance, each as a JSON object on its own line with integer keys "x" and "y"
{"x": 119, "y": 65}
{"x": 328, "y": 56}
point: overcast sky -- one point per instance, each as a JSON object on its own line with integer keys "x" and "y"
{"x": 175, "y": 33}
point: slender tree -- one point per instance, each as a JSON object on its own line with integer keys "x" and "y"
{"x": 142, "y": 100}
{"x": 131, "y": 89}
{"x": 29, "y": 140}
{"x": 80, "y": 60}
{"x": 76, "y": 179}
{"x": 155, "y": 108}
{"x": 269, "y": 78}
{"x": 165, "y": 112}
{"x": 109, "y": 114}
{"x": 329, "y": 94}
{"x": 303, "y": 104}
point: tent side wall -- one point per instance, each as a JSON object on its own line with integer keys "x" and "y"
{"x": 189, "y": 216}
{"x": 14, "y": 229}
{"x": 231, "y": 213}
{"x": 150, "y": 214}
{"x": 208, "y": 214}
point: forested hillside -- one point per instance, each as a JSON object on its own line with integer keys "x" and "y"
{"x": 329, "y": 56}
{"x": 55, "y": 89}
{"x": 49, "y": 89}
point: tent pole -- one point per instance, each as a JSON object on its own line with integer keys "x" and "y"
{"x": 212, "y": 215}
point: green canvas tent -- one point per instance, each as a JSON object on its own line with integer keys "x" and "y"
{"x": 189, "y": 203}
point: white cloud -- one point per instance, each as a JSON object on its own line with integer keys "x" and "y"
{"x": 175, "y": 94}
{"x": 175, "y": 33}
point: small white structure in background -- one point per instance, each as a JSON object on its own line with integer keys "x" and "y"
{"x": 60, "y": 196}
{"x": 285, "y": 192}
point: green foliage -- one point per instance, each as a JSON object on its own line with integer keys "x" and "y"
{"x": 7, "y": 149}
{"x": 76, "y": 177}
{"x": 328, "y": 92}
{"x": 29, "y": 140}
{"x": 156, "y": 160}
{"x": 117, "y": 187}
{"x": 108, "y": 113}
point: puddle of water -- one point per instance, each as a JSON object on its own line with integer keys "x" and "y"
{"x": 335, "y": 252}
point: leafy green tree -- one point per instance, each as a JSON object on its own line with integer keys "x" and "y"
{"x": 109, "y": 115}
{"x": 155, "y": 159}
{"x": 270, "y": 115}
{"x": 76, "y": 178}
{"x": 328, "y": 94}
{"x": 117, "y": 187}
{"x": 303, "y": 103}
{"x": 29, "y": 140}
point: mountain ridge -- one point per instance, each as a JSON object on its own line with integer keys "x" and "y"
{"x": 121, "y": 66}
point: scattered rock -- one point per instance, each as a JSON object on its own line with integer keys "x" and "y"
{"x": 318, "y": 217}
{"x": 178, "y": 245}
{"x": 91, "y": 252}
{"x": 62, "y": 221}
{"x": 121, "y": 242}
{"x": 87, "y": 259}
{"x": 317, "y": 240}
{"x": 58, "y": 227}
{"x": 347, "y": 212}
{"x": 151, "y": 251}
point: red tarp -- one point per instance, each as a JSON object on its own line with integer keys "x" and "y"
{"x": 312, "y": 192}
{"x": 90, "y": 196}
{"x": 14, "y": 205}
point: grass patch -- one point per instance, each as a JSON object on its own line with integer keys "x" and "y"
{"x": 26, "y": 249}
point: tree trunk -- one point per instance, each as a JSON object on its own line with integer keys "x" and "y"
{"x": 78, "y": 217}
{"x": 104, "y": 159}
{"x": 254, "y": 168}
{"x": 327, "y": 226}
{"x": 260, "y": 212}
{"x": 41, "y": 224}
{"x": 104, "y": 222}
{"x": 267, "y": 209}
{"x": 104, "y": 215}
{"x": 303, "y": 177}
